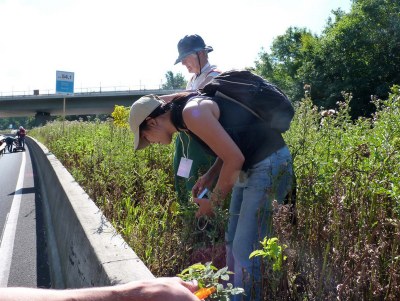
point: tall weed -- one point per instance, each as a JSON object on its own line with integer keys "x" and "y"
{"x": 345, "y": 243}
{"x": 133, "y": 189}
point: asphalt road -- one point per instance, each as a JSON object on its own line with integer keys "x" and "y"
{"x": 23, "y": 253}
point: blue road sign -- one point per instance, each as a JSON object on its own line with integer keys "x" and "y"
{"x": 64, "y": 82}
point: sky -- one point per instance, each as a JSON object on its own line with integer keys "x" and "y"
{"x": 131, "y": 44}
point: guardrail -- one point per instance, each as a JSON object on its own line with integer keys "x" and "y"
{"x": 84, "y": 248}
{"x": 99, "y": 89}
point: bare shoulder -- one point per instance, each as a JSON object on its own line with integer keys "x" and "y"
{"x": 199, "y": 108}
{"x": 199, "y": 100}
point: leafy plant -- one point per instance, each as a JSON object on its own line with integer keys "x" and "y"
{"x": 208, "y": 276}
{"x": 272, "y": 251}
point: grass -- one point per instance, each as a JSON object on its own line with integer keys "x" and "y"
{"x": 345, "y": 244}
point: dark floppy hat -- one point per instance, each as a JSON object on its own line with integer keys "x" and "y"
{"x": 190, "y": 44}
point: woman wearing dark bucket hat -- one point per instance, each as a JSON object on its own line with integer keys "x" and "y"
{"x": 253, "y": 162}
{"x": 193, "y": 53}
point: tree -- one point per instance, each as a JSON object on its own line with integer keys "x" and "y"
{"x": 288, "y": 54}
{"x": 358, "y": 52}
{"x": 26, "y": 122}
{"x": 174, "y": 81}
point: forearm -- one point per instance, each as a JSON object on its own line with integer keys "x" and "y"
{"x": 32, "y": 294}
{"x": 207, "y": 180}
{"x": 160, "y": 289}
{"x": 169, "y": 97}
{"x": 214, "y": 170}
{"x": 225, "y": 183}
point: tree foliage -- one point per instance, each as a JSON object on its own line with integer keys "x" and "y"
{"x": 288, "y": 54}
{"x": 15, "y": 122}
{"x": 174, "y": 81}
{"x": 358, "y": 52}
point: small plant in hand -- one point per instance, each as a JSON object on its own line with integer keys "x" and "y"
{"x": 209, "y": 279}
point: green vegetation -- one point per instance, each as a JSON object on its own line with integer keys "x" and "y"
{"x": 16, "y": 122}
{"x": 346, "y": 239}
{"x": 272, "y": 251}
{"x": 134, "y": 190}
{"x": 357, "y": 52}
{"x": 209, "y": 279}
{"x": 345, "y": 244}
{"x": 174, "y": 81}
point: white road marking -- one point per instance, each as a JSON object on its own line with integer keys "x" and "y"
{"x": 7, "y": 242}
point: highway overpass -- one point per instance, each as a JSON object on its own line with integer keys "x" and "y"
{"x": 43, "y": 105}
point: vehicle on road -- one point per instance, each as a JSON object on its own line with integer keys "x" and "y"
{"x": 17, "y": 145}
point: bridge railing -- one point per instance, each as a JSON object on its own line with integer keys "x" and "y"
{"x": 99, "y": 89}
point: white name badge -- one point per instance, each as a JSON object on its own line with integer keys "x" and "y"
{"x": 184, "y": 167}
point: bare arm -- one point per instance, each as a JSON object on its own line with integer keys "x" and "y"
{"x": 201, "y": 117}
{"x": 160, "y": 289}
{"x": 168, "y": 97}
{"x": 207, "y": 180}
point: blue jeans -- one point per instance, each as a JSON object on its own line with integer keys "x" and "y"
{"x": 251, "y": 218}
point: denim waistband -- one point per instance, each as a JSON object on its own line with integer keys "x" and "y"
{"x": 280, "y": 151}
{"x": 284, "y": 151}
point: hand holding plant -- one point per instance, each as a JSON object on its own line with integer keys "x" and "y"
{"x": 209, "y": 278}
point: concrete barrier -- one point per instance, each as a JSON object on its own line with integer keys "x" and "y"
{"x": 84, "y": 248}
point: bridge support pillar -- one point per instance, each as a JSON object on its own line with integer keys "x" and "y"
{"x": 41, "y": 118}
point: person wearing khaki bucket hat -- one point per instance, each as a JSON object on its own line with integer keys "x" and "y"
{"x": 140, "y": 110}
{"x": 193, "y": 54}
{"x": 253, "y": 165}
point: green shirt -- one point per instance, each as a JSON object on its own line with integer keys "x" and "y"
{"x": 191, "y": 149}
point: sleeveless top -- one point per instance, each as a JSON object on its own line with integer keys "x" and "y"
{"x": 254, "y": 138}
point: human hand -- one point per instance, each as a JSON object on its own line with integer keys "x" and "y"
{"x": 177, "y": 289}
{"x": 205, "y": 207}
{"x": 202, "y": 182}
{"x": 159, "y": 289}
{"x": 162, "y": 289}
{"x": 198, "y": 187}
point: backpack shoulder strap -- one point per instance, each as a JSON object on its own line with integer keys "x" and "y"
{"x": 222, "y": 95}
{"x": 216, "y": 70}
